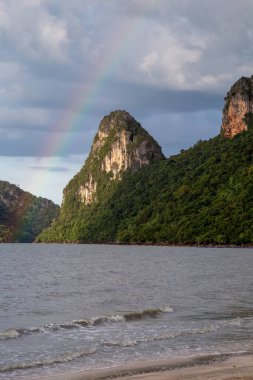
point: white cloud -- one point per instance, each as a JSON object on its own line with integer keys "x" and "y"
{"x": 53, "y": 38}
{"x": 148, "y": 63}
{"x": 169, "y": 62}
{"x": 32, "y": 30}
{"x": 212, "y": 80}
{"x": 5, "y": 21}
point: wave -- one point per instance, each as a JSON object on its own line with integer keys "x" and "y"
{"x": 106, "y": 319}
{"x": 165, "y": 336}
{"x": 40, "y": 363}
{"x": 146, "y": 313}
{"x": 79, "y": 323}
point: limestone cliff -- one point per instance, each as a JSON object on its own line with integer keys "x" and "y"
{"x": 238, "y": 104}
{"x": 120, "y": 144}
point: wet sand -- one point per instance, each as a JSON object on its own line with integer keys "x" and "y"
{"x": 202, "y": 368}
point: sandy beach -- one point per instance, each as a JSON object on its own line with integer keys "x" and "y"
{"x": 202, "y": 368}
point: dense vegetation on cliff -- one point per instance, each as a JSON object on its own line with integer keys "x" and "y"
{"x": 22, "y": 215}
{"x": 201, "y": 196}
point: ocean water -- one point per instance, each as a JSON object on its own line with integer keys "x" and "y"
{"x": 64, "y": 308}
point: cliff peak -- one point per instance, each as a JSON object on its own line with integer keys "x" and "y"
{"x": 118, "y": 119}
{"x": 120, "y": 144}
{"x": 238, "y": 104}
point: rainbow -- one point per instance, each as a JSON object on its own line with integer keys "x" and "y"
{"x": 80, "y": 104}
{"x": 83, "y": 101}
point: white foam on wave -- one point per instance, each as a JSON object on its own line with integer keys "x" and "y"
{"x": 175, "y": 334}
{"x": 167, "y": 309}
{"x": 105, "y": 319}
{"x": 46, "y": 362}
{"x": 233, "y": 322}
{"x": 117, "y": 318}
{"x": 163, "y": 336}
{"x": 9, "y": 334}
{"x": 204, "y": 330}
{"x": 80, "y": 322}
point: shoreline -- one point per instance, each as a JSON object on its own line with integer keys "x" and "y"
{"x": 144, "y": 244}
{"x": 216, "y": 367}
{"x": 134, "y": 243}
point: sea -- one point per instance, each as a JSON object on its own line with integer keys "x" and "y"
{"x": 66, "y": 308}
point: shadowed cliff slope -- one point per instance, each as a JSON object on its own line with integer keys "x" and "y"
{"x": 22, "y": 215}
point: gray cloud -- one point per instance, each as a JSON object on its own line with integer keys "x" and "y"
{"x": 179, "y": 131}
{"x": 44, "y": 144}
{"x": 63, "y": 65}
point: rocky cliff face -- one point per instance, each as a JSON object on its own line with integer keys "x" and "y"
{"x": 120, "y": 144}
{"x": 238, "y": 104}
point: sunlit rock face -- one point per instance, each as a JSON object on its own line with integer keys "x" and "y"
{"x": 88, "y": 191}
{"x": 129, "y": 149}
{"x": 238, "y": 103}
{"x": 120, "y": 144}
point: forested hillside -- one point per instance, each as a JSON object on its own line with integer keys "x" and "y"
{"x": 201, "y": 196}
{"x": 22, "y": 215}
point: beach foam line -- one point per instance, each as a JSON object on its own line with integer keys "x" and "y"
{"x": 165, "y": 336}
{"x": 80, "y": 323}
{"x": 67, "y": 357}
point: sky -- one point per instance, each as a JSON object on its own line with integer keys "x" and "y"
{"x": 65, "y": 64}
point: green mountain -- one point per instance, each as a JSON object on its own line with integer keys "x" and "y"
{"x": 127, "y": 191}
{"x": 22, "y": 215}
